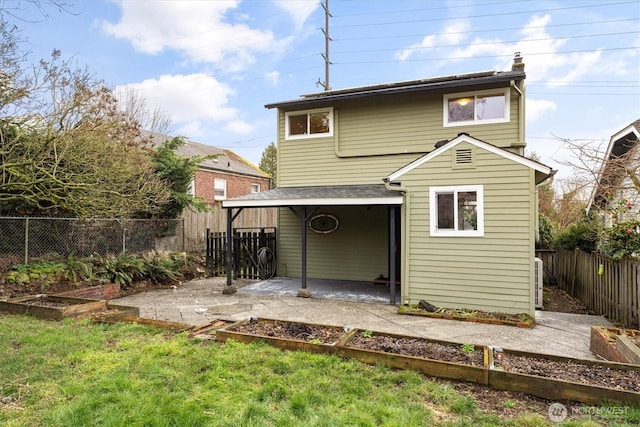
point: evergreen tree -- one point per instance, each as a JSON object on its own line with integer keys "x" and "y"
{"x": 269, "y": 163}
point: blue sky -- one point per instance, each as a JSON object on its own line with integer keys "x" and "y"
{"x": 213, "y": 65}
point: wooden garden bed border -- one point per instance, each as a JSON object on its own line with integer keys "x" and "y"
{"x": 488, "y": 375}
{"x": 77, "y": 307}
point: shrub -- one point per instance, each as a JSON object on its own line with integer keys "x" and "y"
{"x": 582, "y": 235}
{"x": 121, "y": 269}
{"x": 622, "y": 239}
{"x": 546, "y": 233}
{"x": 160, "y": 268}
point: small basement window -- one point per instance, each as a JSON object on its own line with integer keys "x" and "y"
{"x": 488, "y": 106}
{"x": 457, "y": 211}
{"x": 309, "y": 124}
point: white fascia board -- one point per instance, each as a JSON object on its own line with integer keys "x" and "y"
{"x": 397, "y": 200}
{"x": 471, "y": 140}
{"x": 618, "y": 135}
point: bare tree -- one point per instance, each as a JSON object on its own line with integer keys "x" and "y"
{"x": 66, "y": 148}
{"x": 611, "y": 170}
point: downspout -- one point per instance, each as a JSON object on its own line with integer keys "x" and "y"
{"x": 522, "y": 115}
{"x": 536, "y": 234}
{"x": 548, "y": 180}
{"x": 405, "y": 244}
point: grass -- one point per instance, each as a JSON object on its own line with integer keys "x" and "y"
{"x": 76, "y": 373}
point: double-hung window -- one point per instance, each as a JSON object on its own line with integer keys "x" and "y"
{"x": 487, "y": 106}
{"x": 309, "y": 124}
{"x": 220, "y": 189}
{"x": 457, "y": 211}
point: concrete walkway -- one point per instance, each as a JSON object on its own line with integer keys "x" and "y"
{"x": 201, "y": 301}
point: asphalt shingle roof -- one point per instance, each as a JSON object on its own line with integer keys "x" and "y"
{"x": 227, "y": 161}
{"x": 322, "y": 195}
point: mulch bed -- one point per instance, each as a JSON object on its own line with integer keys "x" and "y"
{"x": 46, "y": 303}
{"x": 567, "y": 371}
{"x": 289, "y": 330}
{"x": 418, "y": 348}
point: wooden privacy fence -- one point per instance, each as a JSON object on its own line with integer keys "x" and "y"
{"x": 253, "y": 253}
{"x": 607, "y": 286}
{"x": 548, "y": 257}
{"x": 196, "y": 223}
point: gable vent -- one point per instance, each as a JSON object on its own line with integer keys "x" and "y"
{"x": 464, "y": 157}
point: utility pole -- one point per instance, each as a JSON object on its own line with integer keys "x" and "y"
{"x": 327, "y": 39}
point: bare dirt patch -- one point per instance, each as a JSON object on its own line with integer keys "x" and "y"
{"x": 557, "y": 300}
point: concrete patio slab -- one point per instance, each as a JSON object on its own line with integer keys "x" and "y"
{"x": 202, "y": 301}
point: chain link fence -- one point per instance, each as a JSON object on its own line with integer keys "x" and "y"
{"x": 24, "y": 240}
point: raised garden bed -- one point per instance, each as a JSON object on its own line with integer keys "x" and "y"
{"x": 477, "y": 316}
{"x": 51, "y": 307}
{"x": 435, "y": 358}
{"x": 549, "y": 377}
{"x": 562, "y": 378}
{"x": 616, "y": 344}
{"x": 284, "y": 334}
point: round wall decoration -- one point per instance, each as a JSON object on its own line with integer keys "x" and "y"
{"x": 323, "y": 223}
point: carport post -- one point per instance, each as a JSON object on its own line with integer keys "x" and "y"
{"x": 392, "y": 255}
{"x": 229, "y": 246}
{"x": 303, "y": 230}
{"x": 230, "y": 218}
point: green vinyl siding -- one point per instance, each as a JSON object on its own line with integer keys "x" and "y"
{"x": 373, "y": 139}
{"x": 357, "y": 250}
{"x": 493, "y": 272}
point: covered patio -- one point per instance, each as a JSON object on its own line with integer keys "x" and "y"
{"x": 335, "y": 290}
{"x": 305, "y": 202}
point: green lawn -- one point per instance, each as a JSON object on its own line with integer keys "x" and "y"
{"x": 76, "y": 373}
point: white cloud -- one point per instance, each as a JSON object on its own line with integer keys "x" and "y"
{"x": 239, "y": 127}
{"x": 454, "y": 33}
{"x": 199, "y": 29}
{"x": 537, "y": 107}
{"x": 299, "y": 10}
{"x": 186, "y": 98}
{"x": 273, "y": 78}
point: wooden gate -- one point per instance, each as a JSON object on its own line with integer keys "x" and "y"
{"x": 253, "y": 253}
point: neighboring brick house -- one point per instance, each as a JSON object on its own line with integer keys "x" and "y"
{"x": 226, "y": 176}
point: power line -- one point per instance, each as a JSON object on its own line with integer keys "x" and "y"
{"x": 488, "y": 15}
{"x": 492, "y": 42}
{"x": 487, "y": 30}
{"x": 488, "y": 56}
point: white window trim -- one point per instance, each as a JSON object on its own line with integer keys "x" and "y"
{"x": 433, "y": 211}
{"x": 307, "y": 136}
{"x": 215, "y": 196}
{"x": 447, "y": 97}
{"x": 255, "y": 185}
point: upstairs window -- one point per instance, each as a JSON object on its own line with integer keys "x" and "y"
{"x": 457, "y": 211}
{"x": 309, "y": 124}
{"x": 255, "y": 188}
{"x": 488, "y": 106}
{"x": 220, "y": 189}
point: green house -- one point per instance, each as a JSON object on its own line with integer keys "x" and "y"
{"x": 419, "y": 183}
